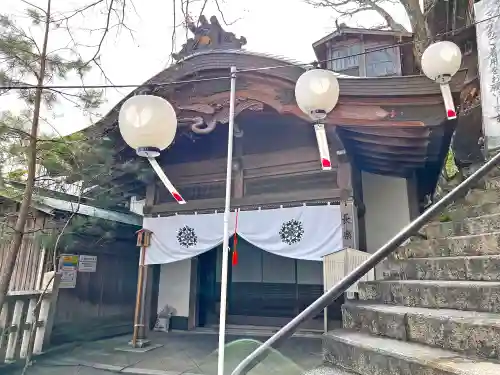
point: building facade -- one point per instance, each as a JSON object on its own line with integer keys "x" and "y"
{"x": 388, "y": 136}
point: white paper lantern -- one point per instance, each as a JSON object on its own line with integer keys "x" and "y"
{"x": 317, "y": 93}
{"x": 147, "y": 124}
{"x": 441, "y": 61}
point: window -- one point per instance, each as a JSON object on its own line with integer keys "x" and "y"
{"x": 377, "y": 62}
{"x": 344, "y": 60}
{"x": 380, "y": 63}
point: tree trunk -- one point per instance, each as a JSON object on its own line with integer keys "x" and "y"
{"x": 422, "y": 35}
{"x": 10, "y": 261}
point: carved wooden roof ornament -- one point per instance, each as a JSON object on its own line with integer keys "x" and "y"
{"x": 208, "y": 36}
{"x": 207, "y": 116}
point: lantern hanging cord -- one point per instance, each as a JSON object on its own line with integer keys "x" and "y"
{"x": 305, "y": 65}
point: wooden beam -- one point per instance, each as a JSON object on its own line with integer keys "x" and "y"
{"x": 199, "y": 179}
{"x": 402, "y": 157}
{"x": 389, "y": 165}
{"x": 392, "y": 150}
{"x": 252, "y": 161}
{"x": 299, "y": 160}
{"x": 245, "y": 202}
{"x": 198, "y": 168}
{"x": 285, "y": 157}
{"x": 389, "y": 141}
{"x": 396, "y": 101}
{"x": 344, "y": 180}
{"x": 311, "y": 168}
{"x": 151, "y": 194}
{"x": 406, "y": 133}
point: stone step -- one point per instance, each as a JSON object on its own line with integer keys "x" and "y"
{"x": 468, "y": 332}
{"x": 480, "y": 196}
{"x": 478, "y": 268}
{"x": 327, "y": 369}
{"x": 434, "y": 294}
{"x": 462, "y": 211}
{"x": 371, "y": 355}
{"x": 495, "y": 172}
{"x": 468, "y": 245}
{"x": 473, "y": 225}
{"x": 492, "y": 182}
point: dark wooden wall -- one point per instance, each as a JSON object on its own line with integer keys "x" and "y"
{"x": 102, "y": 304}
{"x": 273, "y": 158}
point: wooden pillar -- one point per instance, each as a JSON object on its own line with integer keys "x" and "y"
{"x": 348, "y": 204}
{"x": 148, "y": 298}
{"x": 344, "y": 176}
{"x": 147, "y": 291}
{"x": 193, "y": 295}
{"x": 238, "y": 170}
{"x": 151, "y": 194}
{"x": 349, "y": 217}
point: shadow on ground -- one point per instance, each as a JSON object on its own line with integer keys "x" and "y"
{"x": 237, "y": 351}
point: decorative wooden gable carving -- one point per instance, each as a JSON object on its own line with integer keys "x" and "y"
{"x": 201, "y": 106}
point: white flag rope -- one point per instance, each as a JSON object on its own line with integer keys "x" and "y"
{"x": 163, "y": 177}
{"x": 324, "y": 152}
{"x": 451, "y": 113}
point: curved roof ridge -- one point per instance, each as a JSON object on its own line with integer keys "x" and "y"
{"x": 280, "y": 58}
{"x": 242, "y": 51}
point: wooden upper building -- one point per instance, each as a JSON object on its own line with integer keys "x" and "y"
{"x": 391, "y": 125}
{"x": 366, "y": 53}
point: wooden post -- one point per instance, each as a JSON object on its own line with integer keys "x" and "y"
{"x": 48, "y": 310}
{"x": 147, "y": 275}
{"x": 143, "y": 240}
{"x": 137, "y": 314}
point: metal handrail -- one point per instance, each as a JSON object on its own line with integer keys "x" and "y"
{"x": 383, "y": 252}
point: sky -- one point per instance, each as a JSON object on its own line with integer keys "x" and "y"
{"x": 280, "y": 27}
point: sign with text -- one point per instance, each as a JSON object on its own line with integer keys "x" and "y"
{"x": 488, "y": 51}
{"x": 87, "y": 263}
{"x": 68, "y": 262}
{"x": 68, "y": 279}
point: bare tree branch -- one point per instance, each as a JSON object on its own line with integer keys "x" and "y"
{"x": 222, "y": 15}
{"x": 393, "y": 24}
{"x": 105, "y": 32}
{"x": 430, "y": 7}
{"x": 349, "y": 8}
{"x": 44, "y": 11}
{"x": 78, "y": 11}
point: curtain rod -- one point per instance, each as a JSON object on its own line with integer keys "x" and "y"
{"x": 251, "y": 208}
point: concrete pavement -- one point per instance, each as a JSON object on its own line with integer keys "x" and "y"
{"x": 180, "y": 353}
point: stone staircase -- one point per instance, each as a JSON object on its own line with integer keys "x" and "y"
{"x": 436, "y": 310}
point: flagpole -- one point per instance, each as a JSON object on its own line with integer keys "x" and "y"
{"x": 225, "y": 243}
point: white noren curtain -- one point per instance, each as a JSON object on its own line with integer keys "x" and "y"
{"x": 305, "y": 232}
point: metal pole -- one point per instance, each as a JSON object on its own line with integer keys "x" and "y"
{"x": 382, "y": 253}
{"x": 225, "y": 243}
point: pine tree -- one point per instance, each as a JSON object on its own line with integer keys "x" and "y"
{"x": 26, "y": 61}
